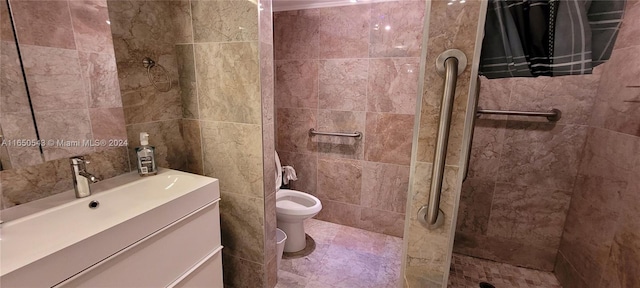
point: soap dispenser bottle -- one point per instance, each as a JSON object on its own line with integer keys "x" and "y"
{"x": 146, "y": 156}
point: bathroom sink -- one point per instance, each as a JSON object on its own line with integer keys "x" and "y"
{"x": 36, "y": 235}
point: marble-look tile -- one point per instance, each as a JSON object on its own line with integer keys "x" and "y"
{"x": 339, "y": 213}
{"x": 43, "y": 23}
{"x": 307, "y": 266}
{"x": 343, "y": 84}
{"x": 165, "y": 136}
{"x": 31, "y": 183}
{"x": 532, "y": 215}
{"x": 623, "y": 263}
{"x": 382, "y": 221}
{"x": 241, "y": 225}
{"x": 495, "y": 94}
{"x": 53, "y": 75}
{"x": 292, "y": 132}
{"x": 343, "y": 267}
{"x": 187, "y": 79}
{"x": 69, "y": 126}
{"x": 475, "y": 206}
{"x": 229, "y": 82}
{"x": 147, "y": 104}
{"x": 388, "y": 138}
{"x": 6, "y": 27}
{"x": 624, "y": 257}
{"x": 224, "y": 21}
{"x": 344, "y": 31}
{"x": 267, "y": 83}
{"x": 606, "y": 154}
{"x": 340, "y": 180}
{"x": 190, "y": 131}
{"x": 574, "y": 96}
{"x": 296, "y": 84}
{"x": 468, "y": 272}
{"x": 16, "y": 126}
{"x": 233, "y": 154}
{"x": 239, "y": 272}
{"x": 617, "y": 93}
{"x": 100, "y": 76}
{"x": 385, "y": 186}
{"x": 393, "y": 85}
{"x": 91, "y": 28}
{"x": 567, "y": 275}
{"x": 136, "y": 35}
{"x": 396, "y": 29}
{"x": 107, "y": 124}
{"x": 271, "y": 271}
{"x": 270, "y": 225}
{"x": 12, "y": 87}
{"x": 265, "y": 19}
{"x": 552, "y": 151}
{"x": 322, "y": 232}
{"x": 269, "y": 162}
{"x": 306, "y": 166}
{"x": 290, "y": 280}
{"x": 345, "y": 122}
{"x": 630, "y": 29}
{"x": 296, "y": 34}
{"x": 486, "y": 148}
{"x": 503, "y": 250}
{"x": 108, "y": 163}
{"x": 588, "y": 230}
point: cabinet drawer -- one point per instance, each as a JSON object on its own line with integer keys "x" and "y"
{"x": 160, "y": 259}
{"x": 208, "y": 273}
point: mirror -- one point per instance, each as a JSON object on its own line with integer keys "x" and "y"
{"x": 72, "y": 95}
{"x": 17, "y": 127}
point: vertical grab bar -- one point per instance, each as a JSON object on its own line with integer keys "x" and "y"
{"x": 450, "y": 63}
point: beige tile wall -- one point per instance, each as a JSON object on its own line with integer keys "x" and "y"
{"x": 426, "y": 255}
{"x": 522, "y": 169}
{"x": 339, "y": 69}
{"x": 599, "y": 246}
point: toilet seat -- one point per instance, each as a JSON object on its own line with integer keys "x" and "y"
{"x": 296, "y": 203}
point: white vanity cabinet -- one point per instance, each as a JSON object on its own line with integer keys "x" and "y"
{"x": 187, "y": 251}
{"x": 161, "y": 231}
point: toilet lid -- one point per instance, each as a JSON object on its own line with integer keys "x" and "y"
{"x": 278, "y": 172}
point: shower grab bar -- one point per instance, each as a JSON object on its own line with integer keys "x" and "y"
{"x": 451, "y": 63}
{"x": 552, "y": 115}
{"x": 469, "y": 130}
{"x": 357, "y": 134}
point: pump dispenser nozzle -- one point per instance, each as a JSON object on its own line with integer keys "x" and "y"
{"x": 144, "y": 138}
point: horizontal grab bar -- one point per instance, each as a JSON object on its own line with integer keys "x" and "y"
{"x": 313, "y": 132}
{"x": 553, "y": 115}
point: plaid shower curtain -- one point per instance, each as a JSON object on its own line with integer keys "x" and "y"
{"x": 530, "y": 38}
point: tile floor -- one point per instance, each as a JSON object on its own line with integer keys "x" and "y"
{"x": 467, "y": 272}
{"x": 347, "y": 257}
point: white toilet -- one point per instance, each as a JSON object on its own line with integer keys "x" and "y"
{"x": 292, "y": 208}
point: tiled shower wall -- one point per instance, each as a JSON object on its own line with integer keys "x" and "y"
{"x": 69, "y": 64}
{"x": 217, "y": 119}
{"x": 426, "y": 256}
{"x": 158, "y": 111}
{"x": 346, "y": 69}
{"x": 522, "y": 170}
{"x": 600, "y": 246}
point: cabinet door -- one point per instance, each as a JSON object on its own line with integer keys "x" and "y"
{"x": 159, "y": 260}
{"x": 207, "y": 274}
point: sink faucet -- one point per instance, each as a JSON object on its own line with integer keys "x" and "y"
{"x": 81, "y": 178}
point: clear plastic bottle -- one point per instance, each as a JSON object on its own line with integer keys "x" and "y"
{"x": 146, "y": 156}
